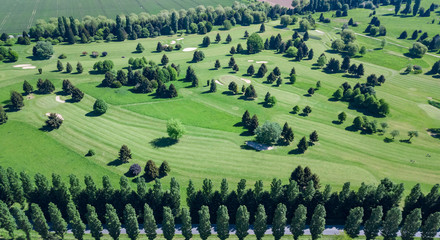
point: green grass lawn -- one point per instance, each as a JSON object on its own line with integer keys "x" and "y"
{"x": 213, "y": 146}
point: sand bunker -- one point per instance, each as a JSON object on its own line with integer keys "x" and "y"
{"x": 250, "y": 60}
{"x": 259, "y": 146}
{"x": 189, "y": 49}
{"x": 246, "y": 80}
{"x": 218, "y": 82}
{"x": 261, "y": 62}
{"x": 173, "y": 42}
{"x": 58, "y": 99}
{"x": 179, "y": 39}
{"x": 25, "y": 66}
{"x": 58, "y": 115}
{"x": 320, "y": 32}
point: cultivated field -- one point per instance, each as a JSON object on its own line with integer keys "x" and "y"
{"x": 213, "y": 147}
{"x": 16, "y": 16}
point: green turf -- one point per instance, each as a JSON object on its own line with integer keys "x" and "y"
{"x": 213, "y": 146}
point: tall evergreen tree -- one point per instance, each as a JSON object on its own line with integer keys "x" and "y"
{"x": 391, "y": 224}
{"x": 22, "y": 221}
{"x": 279, "y": 221}
{"x": 317, "y": 224}
{"x": 431, "y": 226}
{"x": 149, "y": 223}
{"x": 112, "y": 221}
{"x": 260, "y": 224}
{"x": 298, "y": 221}
{"x": 131, "y": 223}
{"x": 353, "y": 222}
{"x": 93, "y": 221}
{"x": 222, "y": 227}
{"x": 78, "y": 227}
{"x": 242, "y": 222}
{"x": 372, "y": 225}
{"x": 39, "y": 221}
{"x": 204, "y": 227}
{"x": 168, "y": 226}
{"x": 16, "y": 100}
{"x": 58, "y": 223}
{"x": 124, "y": 154}
{"x": 411, "y": 225}
{"x": 27, "y": 87}
{"x": 186, "y": 224}
{"x": 7, "y": 221}
{"x": 3, "y": 116}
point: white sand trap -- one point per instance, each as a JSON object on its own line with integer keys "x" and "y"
{"x": 431, "y": 111}
{"x": 29, "y": 67}
{"x": 218, "y": 82}
{"x": 261, "y": 62}
{"x": 259, "y": 146}
{"x": 179, "y": 39}
{"x": 22, "y": 65}
{"x": 320, "y": 32}
{"x": 246, "y": 80}
{"x": 173, "y": 42}
{"x": 58, "y": 115}
{"x": 58, "y": 99}
{"x": 250, "y": 60}
{"x": 190, "y": 49}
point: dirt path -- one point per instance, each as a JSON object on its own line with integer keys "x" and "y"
{"x": 283, "y": 3}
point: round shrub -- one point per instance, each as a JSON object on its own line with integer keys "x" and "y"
{"x": 100, "y": 107}
{"x": 42, "y": 50}
{"x": 135, "y": 169}
{"x": 268, "y": 133}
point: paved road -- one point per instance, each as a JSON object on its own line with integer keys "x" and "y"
{"x": 329, "y": 230}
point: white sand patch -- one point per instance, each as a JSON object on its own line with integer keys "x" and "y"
{"x": 429, "y": 98}
{"x": 246, "y": 80}
{"x": 250, "y": 60}
{"x": 259, "y": 146}
{"x": 173, "y": 42}
{"x": 29, "y": 67}
{"x": 189, "y": 49}
{"x": 58, "y": 99}
{"x": 58, "y": 115}
{"x": 431, "y": 111}
{"x": 218, "y": 82}
{"x": 30, "y": 96}
{"x": 22, "y": 65}
{"x": 179, "y": 39}
{"x": 320, "y": 32}
{"x": 261, "y": 62}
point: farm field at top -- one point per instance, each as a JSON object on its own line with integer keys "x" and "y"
{"x": 16, "y": 16}
{"x": 213, "y": 146}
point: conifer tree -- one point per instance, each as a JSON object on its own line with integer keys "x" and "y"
{"x": 69, "y": 68}
{"x": 317, "y": 223}
{"x": 60, "y": 66}
{"x": 303, "y": 145}
{"x": 22, "y": 221}
{"x": 204, "y": 227}
{"x": 287, "y": 133}
{"x": 164, "y": 60}
{"x": 411, "y": 225}
{"x": 112, "y": 221}
{"x": 222, "y": 223}
{"x": 27, "y": 87}
{"x": 131, "y": 223}
{"x": 391, "y": 224}
{"x": 246, "y": 119}
{"x": 186, "y": 224}
{"x": 262, "y": 28}
{"x": 217, "y": 64}
{"x": 93, "y": 221}
{"x": 430, "y": 226}
{"x": 218, "y": 38}
{"x": 149, "y": 223}
{"x": 372, "y": 225}
{"x": 7, "y": 221}
{"x": 279, "y": 221}
{"x": 213, "y": 86}
{"x": 3, "y": 116}
{"x": 39, "y": 221}
{"x": 260, "y": 224}
{"x": 124, "y": 154}
{"x": 164, "y": 169}
{"x": 77, "y": 95}
{"x": 16, "y": 100}
{"x": 79, "y": 67}
{"x": 353, "y": 222}
{"x": 298, "y": 221}
{"x": 140, "y": 48}
{"x": 151, "y": 170}
{"x": 78, "y": 227}
{"x": 58, "y": 223}
{"x": 251, "y": 70}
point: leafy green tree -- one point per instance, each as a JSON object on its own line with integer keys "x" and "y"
{"x": 22, "y": 221}
{"x": 175, "y": 129}
{"x": 222, "y": 223}
{"x": 42, "y": 50}
{"x": 124, "y": 154}
{"x": 60, "y": 66}
{"x": 16, "y": 100}
{"x": 3, "y": 116}
{"x": 298, "y": 222}
{"x": 411, "y": 225}
{"x": 39, "y": 221}
{"x": 58, "y": 223}
{"x": 27, "y": 87}
{"x": 268, "y": 133}
{"x": 204, "y": 227}
{"x": 164, "y": 169}
{"x": 295, "y": 109}
{"x": 342, "y": 117}
{"x": 69, "y": 68}
{"x": 430, "y": 226}
{"x": 7, "y": 221}
{"x": 140, "y": 48}
{"x": 418, "y": 50}
{"x": 100, "y": 106}
{"x": 78, "y": 227}
{"x": 317, "y": 224}
{"x": 254, "y": 43}
{"x": 151, "y": 170}
{"x": 112, "y": 220}
{"x": 395, "y": 133}
{"x": 353, "y": 222}
{"x": 168, "y": 226}
{"x": 242, "y": 222}
{"x": 164, "y": 60}
{"x": 131, "y": 223}
{"x": 150, "y": 226}
{"x": 260, "y": 224}
{"x": 186, "y": 224}
{"x": 307, "y": 110}
{"x": 391, "y": 224}
{"x": 279, "y": 221}
{"x": 412, "y": 134}
{"x": 93, "y": 221}
{"x": 79, "y": 68}
{"x": 77, "y": 95}
{"x": 372, "y": 225}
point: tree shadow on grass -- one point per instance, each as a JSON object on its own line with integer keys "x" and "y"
{"x": 163, "y": 142}
{"x": 238, "y": 124}
{"x": 351, "y": 128}
{"x": 246, "y": 134}
{"x": 92, "y": 114}
{"x": 296, "y": 151}
{"x": 115, "y": 163}
{"x": 46, "y": 128}
{"x": 388, "y": 140}
{"x": 336, "y": 122}
{"x": 246, "y": 147}
{"x": 405, "y": 141}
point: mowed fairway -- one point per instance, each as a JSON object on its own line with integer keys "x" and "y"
{"x": 213, "y": 146}
{"x": 16, "y": 16}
